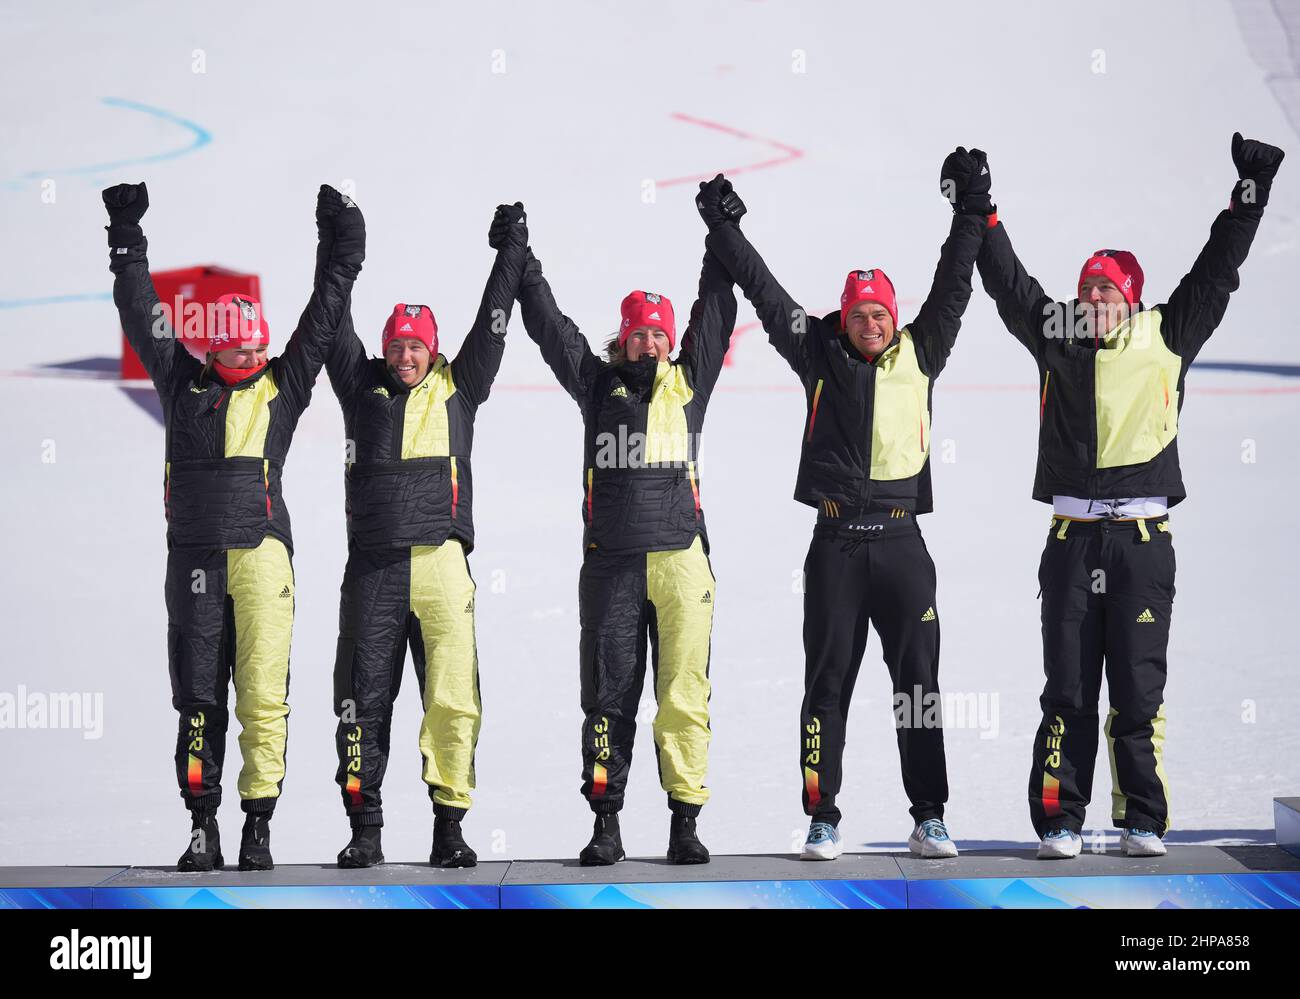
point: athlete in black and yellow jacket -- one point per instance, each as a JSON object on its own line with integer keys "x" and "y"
{"x": 1111, "y": 379}
{"x": 645, "y": 570}
{"x": 865, "y": 466}
{"x": 230, "y": 588}
{"x": 410, "y": 429}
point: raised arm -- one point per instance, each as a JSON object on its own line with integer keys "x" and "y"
{"x": 1196, "y": 307}
{"x": 340, "y": 250}
{"x": 713, "y": 318}
{"x": 965, "y": 181}
{"x": 479, "y": 359}
{"x": 143, "y": 319}
{"x": 346, "y": 361}
{"x": 563, "y": 346}
{"x": 784, "y": 320}
{"x": 1021, "y": 301}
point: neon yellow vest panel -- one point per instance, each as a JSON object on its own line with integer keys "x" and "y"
{"x": 1137, "y": 393}
{"x": 900, "y": 419}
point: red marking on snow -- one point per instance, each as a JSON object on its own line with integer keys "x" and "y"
{"x": 788, "y": 153}
{"x": 735, "y": 335}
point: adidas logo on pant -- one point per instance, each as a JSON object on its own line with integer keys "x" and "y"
{"x": 929, "y": 615}
{"x": 285, "y": 592}
{"x": 1146, "y": 617}
{"x": 707, "y": 598}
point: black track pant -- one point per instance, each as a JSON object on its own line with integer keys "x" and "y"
{"x": 230, "y": 618}
{"x": 879, "y": 574}
{"x": 1108, "y": 593}
{"x": 422, "y": 596}
{"x": 665, "y": 598}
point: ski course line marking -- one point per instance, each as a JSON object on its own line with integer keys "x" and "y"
{"x": 200, "y": 138}
{"x": 789, "y": 153}
{"x": 85, "y": 296}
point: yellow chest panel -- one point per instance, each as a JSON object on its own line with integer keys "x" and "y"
{"x": 667, "y": 438}
{"x": 248, "y": 415}
{"x": 425, "y": 432}
{"x": 1136, "y": 393}
{"x": 900, "y": 420}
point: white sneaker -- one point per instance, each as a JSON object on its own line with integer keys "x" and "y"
{"x": 1060, "y": 844}
{"x": 823, "y": 842}
{"x": 1141, "y": 843}
{"x": 930, "y": 840}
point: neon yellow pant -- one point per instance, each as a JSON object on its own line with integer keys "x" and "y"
{"x": 422, "y": 596}
{"x": 230, "y": 616}
{"x": 665, "y": 598}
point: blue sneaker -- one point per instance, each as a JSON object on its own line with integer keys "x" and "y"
{"x": 930, "y": 840}
{"x": 823, "y": 842}
{"x": 1060, "y": 844}
{"x": 1141, "y": 843}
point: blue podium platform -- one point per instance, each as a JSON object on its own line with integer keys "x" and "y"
{"x": 1189, "y": 877}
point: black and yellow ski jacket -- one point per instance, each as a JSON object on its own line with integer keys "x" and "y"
{"x": 1108, "y": 409}
{"x": 866, "y": 437}
{"x": 226, "y": 444}
{"x": 409, "y": 480}
{"x": 642, "y": 420}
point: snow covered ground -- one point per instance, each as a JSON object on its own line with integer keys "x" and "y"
{"x": 833, "y": 118}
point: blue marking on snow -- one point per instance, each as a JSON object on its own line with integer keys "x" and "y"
{"x": 85, "y": 296}
{"x": 1284, "y": 370}
{"x": 200, "y": 138}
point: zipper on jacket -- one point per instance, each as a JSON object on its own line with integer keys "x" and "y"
{"x": 589, "y": 471}
{"x": 1092, "y": 424}
{"x": 868, "y": 421}
{"x": 1042, "y": 402}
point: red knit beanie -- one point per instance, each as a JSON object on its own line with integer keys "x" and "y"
{"x": 644, "y": 308}
{"x": 868, "y": 286}
{"x": 1119, "y": 266}
{"x": 415, "y": 321}
{"x": 234, "y": 321}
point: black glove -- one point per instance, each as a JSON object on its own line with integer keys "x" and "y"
{"x": 532, "y": 268}
{"x": 718, "y": 203}
{"x": 965, "y": 181}
{"x": 126, "y": 203}
{"x": 1256, "y": 164}
{"x": 509, "y": 226}
{"x": 333, "y": 209}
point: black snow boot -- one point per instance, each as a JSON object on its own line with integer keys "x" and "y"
{"x": 204, "y": 851}
{"x": 449, "y": 846}
{"x": 684, "y": 847}
{"x": 606, "y": 846}
{"x": 363, "y": 850}
{"x": 255, "y": 844}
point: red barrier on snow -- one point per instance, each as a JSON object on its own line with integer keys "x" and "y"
{"x": 186, "y": 287}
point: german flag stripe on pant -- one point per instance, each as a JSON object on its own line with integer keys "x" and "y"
{"x": 422, "y": 598}
{"x": 230, "y": 617}
{"x": 659, "y": 603}
{"x": 1120, "y": 631}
